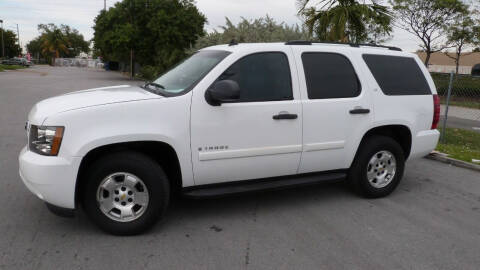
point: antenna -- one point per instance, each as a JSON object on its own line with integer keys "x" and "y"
{"x": 233, "y": 42}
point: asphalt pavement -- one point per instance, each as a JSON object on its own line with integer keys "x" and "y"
{"x": 432, "y": 221}
{"x": 462, "y": 123}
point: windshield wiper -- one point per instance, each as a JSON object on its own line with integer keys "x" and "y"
{"x": 158, "y": 88}
{"x": 155, "y": 84}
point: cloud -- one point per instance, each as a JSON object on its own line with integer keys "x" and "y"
{"x": 216, "y": 11}
{"x": 29, "y": 13}
{"x": 80, "y": 15}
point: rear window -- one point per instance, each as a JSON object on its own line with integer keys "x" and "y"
{"x": 397, "y": 75}
{"x": 329, "y": 75}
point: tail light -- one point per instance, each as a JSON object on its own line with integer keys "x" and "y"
{"x": 436, "y": 111}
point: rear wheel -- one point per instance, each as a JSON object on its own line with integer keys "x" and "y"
{"x": 378, "y": 167}
{"x": 126, "y": 193}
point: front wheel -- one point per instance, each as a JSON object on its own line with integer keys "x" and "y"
{"x": 378, "y": 167}
{"x": 126, "y": 193}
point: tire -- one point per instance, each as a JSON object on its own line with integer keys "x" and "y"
{"x": 126, "y": 178}
{"x": 372, "y": 176}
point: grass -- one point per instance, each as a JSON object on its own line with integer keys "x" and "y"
{"x": 461, "y": 144}
{"x": 9, "y": 67}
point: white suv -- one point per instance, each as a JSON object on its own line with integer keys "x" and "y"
{"x": 229, "y": 119}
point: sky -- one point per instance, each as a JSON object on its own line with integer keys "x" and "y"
{"x": 80, "y": 14}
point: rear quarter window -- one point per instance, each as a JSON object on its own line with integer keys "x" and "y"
{"x": 397, "y": 75}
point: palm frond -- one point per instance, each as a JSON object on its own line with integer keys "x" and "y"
{"x": 345, "y": 20}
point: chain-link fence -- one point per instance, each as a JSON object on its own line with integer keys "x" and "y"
{"x": 459, "y": 115}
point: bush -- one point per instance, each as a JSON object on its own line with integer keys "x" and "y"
{"x": 463, "y": 85}
{"x": 149, "y": 73}
{"x": 264, "y": 29}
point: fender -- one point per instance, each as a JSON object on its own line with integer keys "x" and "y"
{"x": 151, "y": 120}
{"x": 356, "y": 143}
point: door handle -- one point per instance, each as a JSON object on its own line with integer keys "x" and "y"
{"x": 285, "y": 116}
{"x": 359, "y": 111}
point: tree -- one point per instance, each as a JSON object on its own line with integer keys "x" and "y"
{"x": 154, "y": 32}
{"x": 34, "y": 47}
{"x": 76, "y": 41}
{"x": 460, "y": 34}
{"x": 346, "y": 20}
{"x": 57, "y": 41}
{"x": 427, "y": 19}
{"x": 10, "y": 42}
{"x": 258, "y": 30}
{"x": 53, "y": 41}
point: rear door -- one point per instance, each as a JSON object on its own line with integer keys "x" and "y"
{"x": 249, "y": 139}
{"x": 336, "y": 106}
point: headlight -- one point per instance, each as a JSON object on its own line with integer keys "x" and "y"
{"x": 45, "y": 140}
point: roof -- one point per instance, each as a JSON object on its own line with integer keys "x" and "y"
{"x": 328, "y": 46}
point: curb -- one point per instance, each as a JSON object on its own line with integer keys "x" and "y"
{"x": 459, "y": 163}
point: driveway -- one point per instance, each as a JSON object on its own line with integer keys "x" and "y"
{"x": 432, "y": 221}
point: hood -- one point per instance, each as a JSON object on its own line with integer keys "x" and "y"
{"x": 87, "y": 98}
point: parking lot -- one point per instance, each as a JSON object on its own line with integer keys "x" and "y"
{"x": 432, "y": 221}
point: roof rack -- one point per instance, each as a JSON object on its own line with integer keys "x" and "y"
{"x": 356, "y": 45}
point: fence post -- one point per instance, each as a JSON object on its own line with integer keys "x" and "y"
{"x": 449, "y": 92}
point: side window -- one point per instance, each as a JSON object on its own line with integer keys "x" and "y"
{"x": 329, "y": 75}
{"x": 397, "y": 75}
{"x": 261, "y": 77}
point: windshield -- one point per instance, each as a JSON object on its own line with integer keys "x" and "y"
{"x": 186, "y": 74}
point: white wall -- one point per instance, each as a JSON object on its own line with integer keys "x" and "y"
{"x": 448, "y": 69}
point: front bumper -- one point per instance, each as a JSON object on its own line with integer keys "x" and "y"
{"x": 52, "y": 179}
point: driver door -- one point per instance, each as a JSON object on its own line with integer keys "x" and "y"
{"x": 247, "y": 139}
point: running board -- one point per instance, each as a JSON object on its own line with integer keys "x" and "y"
{"x": 223, "y": 189}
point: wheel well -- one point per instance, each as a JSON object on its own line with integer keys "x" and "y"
{"x": 161, "y": 152}
{"x": 399, "y": 133}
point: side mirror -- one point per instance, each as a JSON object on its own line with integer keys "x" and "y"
{"x": 224, "y": 91}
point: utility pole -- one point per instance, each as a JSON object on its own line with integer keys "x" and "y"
{"x": 18, "y": 37}
{"x": 132, "y": 61}
{"x": 3, "y": 46}
{"x": 104, "y": 5}
{"x": 131, "y": 64}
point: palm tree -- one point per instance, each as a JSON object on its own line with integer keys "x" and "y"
{"x": 346, "y": 20}
{"x": 54, "y": 43}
